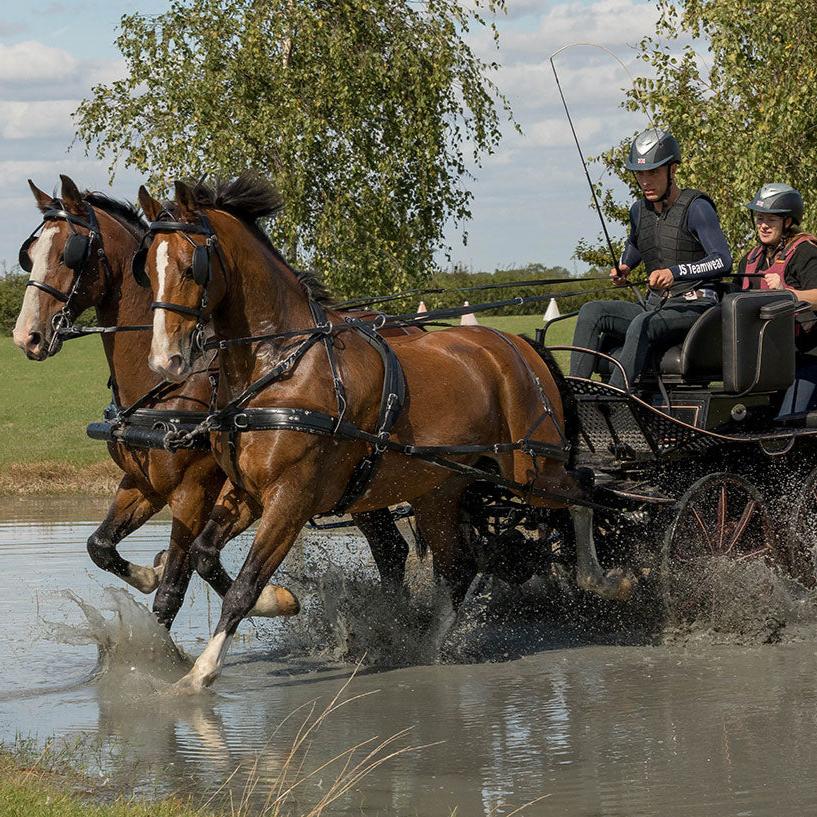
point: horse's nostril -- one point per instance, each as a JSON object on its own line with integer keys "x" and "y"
{"x": 34, "y": 340}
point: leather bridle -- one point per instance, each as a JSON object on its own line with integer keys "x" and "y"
{"x": 76, "y": 254}
{"x": 201, "y": 265}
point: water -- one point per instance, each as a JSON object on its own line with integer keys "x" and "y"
{"x": 516, "y": 703}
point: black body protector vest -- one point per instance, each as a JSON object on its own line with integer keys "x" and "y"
{"x": 664, "y": 239}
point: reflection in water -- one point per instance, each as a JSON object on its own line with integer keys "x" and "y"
{"x": 596, "y": 730}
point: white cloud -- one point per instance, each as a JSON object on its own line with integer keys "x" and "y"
{"x": 37, "y": 120}
{"x": 34, "y": 62}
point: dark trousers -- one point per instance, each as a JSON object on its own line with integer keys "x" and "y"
{"x": 638, "y": 332}
{"x": 802, "y": 394}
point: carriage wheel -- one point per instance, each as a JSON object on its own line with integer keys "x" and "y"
{"x": 722, "y": 520}
{"x": 494, "y": 521}
{"x": 801, "y": 533}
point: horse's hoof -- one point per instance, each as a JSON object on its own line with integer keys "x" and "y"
{"x": 144, "y": 579}
{"x": 159, "y": 562}
{"x": 275, "y": 601}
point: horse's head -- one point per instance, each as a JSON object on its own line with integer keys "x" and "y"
{"x": 179, "y": 265}
{"x": 65, "y": 275}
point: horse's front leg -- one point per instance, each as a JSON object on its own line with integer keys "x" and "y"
{"x": 615, "y": 584}
{"x": 234, "y": 511}
{"x": 279, "y": 527}
{"x": 130, "y": 509}
{"x": 190, "y": 504}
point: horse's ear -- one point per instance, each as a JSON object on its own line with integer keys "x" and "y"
{"x": 149, "y": 205}
{"x": 71, "y": 197}
{"x": 185, "y": 200}
{"x": 44, "y": 201}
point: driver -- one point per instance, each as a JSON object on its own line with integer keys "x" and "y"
{"x": 677, "y": 235}
{"x": 785, "y": 257}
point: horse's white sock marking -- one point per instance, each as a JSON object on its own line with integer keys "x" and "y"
{"x": 208, "y": 665}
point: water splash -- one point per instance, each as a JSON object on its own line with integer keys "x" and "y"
{"x": 134, "y": 650}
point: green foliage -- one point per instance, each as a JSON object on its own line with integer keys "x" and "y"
{"x": 364, "y": 112}
{"x": 741, "y": 112}
{"x": 12, "y": 289}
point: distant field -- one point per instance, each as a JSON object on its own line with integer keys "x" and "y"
{"x": 44, "y": 407}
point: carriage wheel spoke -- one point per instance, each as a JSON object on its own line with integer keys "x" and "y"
{"x": 742, "y": 524}
{"x": 751, "y": 554}
{"x": 721, "y": 518}
{"x": 702, "y": 526}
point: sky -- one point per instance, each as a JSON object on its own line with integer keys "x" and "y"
{"x": 531, "y": 200}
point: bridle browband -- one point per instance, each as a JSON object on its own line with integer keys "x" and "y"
{"x": 76, "y": 254}
{"x": 201, "y": 264}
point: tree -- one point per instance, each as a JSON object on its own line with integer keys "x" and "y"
{"x": 742, "y": 114}
{"x": 365, "y": 113}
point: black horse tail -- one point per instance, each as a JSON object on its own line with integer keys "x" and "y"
{"x": 569, "y": 405}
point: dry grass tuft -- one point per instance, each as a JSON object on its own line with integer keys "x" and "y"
{"x": 41, "y": 478}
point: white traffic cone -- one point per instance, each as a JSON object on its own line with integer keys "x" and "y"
{"x": 422, "y": 307}
{"x": 468, "y": 319}
{"x": 552, "y": 311}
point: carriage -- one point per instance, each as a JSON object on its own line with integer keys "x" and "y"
{"x": 694, "y": 465}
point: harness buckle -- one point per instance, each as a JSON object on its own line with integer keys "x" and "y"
{"x": 383, "y": 440}
{"x": 241, "y": 422}
{"x": 379, "y": 322}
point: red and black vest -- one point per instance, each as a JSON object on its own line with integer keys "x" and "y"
{"x": 781, "y": 261}
{"x": 663, "y": 239}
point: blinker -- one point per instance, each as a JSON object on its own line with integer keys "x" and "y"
{"x": 24, "y": 259}
{"x": 75, "y": 251}
{"x": 201, "y": 264}
{"x": 138, "y": 268}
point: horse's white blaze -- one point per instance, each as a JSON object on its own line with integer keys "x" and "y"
{"x": 29, "y": 320}
{"x": 161, "y": 343}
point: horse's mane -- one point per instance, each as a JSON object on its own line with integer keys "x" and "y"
{"x": 250, "y": 197}
{"x": 127, "y": 214}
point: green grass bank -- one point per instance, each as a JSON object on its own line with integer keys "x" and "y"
{"x": 45, "y": 406}
{"x": 30, "y": 793}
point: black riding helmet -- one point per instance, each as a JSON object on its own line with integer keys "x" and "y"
{"x": 779, "y": 199}
{"x": 653, "y": 148}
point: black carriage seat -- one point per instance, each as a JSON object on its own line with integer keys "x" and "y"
{"x": 746, "y": 341}
{"x": 699, "y": 359}
{"x": 758, "y": 341}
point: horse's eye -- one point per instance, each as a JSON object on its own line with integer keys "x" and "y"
{"x": 62, "y": 258}
{"x": 188, "y": 273}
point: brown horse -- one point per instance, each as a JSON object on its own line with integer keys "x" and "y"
{"x": 187, "y": 482}
{"x": 465, "y": 386}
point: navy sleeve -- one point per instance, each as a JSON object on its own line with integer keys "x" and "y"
{"x": 631, "y": 256}
{"x": 703, "y": 223}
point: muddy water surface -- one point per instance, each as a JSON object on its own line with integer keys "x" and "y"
{"x": 508, "y": 708}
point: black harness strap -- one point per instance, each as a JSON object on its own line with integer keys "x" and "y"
{"x": 318, "y": 422}
{"x": 392, "y": 399}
